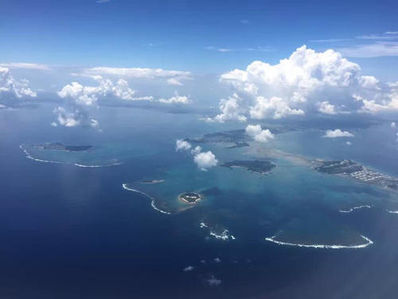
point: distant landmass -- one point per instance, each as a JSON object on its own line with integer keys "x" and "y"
{"x": 57, "y": 146}
{"x": 356, "y": 171}
{"x": 259, "y": 166}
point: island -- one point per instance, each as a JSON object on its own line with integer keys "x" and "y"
{"x": 57, "y": 146}
{"x": 356, "y": 171}
{"x": 259, "y": 166}
{"x": 189, "y": 197}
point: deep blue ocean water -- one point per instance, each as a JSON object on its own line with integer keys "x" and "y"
{"x": 72, "y": 232}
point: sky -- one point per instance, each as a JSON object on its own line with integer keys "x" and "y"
{"x": 200, "y": 36}
{"x": 249, "y": 60}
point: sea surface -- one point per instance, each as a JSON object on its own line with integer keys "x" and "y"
{"x": 84, "y": 225}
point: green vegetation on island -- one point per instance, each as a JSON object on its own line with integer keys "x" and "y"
{"x": 260, "y": 166}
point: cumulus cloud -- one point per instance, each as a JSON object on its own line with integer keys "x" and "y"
{"x": 230, "y": 110}
{"x": 196, "y": 150}
{"x": 205, "y": 160}
{"x": 337, "y": 133}
{"x": 272, "y": 108}
{"x": 258, "y": 134}
{"x": 182, "y": 145}
{"x": 10, "y": 88}
{"x": 326, "y": 108}
{"x": 73, "y": 118}
{"x": 89, "y": 95}
{"x": 295, "y": 85}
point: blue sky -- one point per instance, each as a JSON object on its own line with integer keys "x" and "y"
{"x": 201, "y": 36}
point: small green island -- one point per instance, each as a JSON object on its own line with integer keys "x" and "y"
{"x": 189, "y": 197}
{"x": 259, "y": 166}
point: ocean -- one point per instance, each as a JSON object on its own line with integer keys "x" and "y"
{"x": 69, "y": 231}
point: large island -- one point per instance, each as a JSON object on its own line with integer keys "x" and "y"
{"x": 357, "y": 172}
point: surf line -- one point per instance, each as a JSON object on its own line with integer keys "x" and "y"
{"x": 125, "y": 187}
{"x": 323, "y": 246}
{"x": 355, "y": 208}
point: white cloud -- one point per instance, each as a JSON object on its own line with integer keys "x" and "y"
{"x": 182, "y": 145}
{"x": 196, "y": 150}
{"x": 12, "y": 88}
{"x": 230, "y": 110}
{"x": 205, "y": 160}
{"x": 89, "y": 95}
{"x": 174, "y": 81}
{"x": 73, "y": 118}
{"x": 272, "y": 108}
{"x": 175, "y": 100}
{"x": 171, "y": 76}
{"x": 80, "y": 97}
{"x": 337, "y": 133}
{"x": 258, "y": 134}
{"x": 326, "y": 108}
{"x": 295, "y": 85}
{"x": 26, "y": 65}
{"x": 377, "y": 49}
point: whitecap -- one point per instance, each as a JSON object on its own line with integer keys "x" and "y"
{"x": 224, "y": 235}
{"x": 213, "y": 281}
{"x": 392, "y": 211}
{"x": 188, "y": 269}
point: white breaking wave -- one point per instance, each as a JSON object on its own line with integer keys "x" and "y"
{"x": 98, "y": 166}
{"x": 151, "y": 198}
{"x": 323, "y": 246}
{"x": 392, "y": 211}
{"x": 224, "y": 235}
{"x": 355, "y": 208}
{"x": 28, "y": 155}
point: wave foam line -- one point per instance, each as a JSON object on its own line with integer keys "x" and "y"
{"x": 323, "y": 246}
{"x": 392, "y": 211}
{"x": 28, "y": 155}
{"x": 355, "y": 208}
{"x": 125, "y": 187}
{"x": 97, "y": 166}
